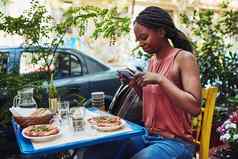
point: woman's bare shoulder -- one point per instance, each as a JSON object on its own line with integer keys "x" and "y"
{"x": 185, "y": 57}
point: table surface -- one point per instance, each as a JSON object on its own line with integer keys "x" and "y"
{"x": 27, "y": 149}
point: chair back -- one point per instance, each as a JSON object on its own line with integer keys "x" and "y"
{"x": 204, "y": 121}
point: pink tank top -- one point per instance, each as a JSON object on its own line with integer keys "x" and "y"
{"x": 160, "y": 114}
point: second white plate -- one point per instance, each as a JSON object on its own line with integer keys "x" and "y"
{"x": 112, "y": 128}
{"x": 41, "y": 138}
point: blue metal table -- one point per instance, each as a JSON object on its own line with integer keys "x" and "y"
{"x": 27, "y": 149}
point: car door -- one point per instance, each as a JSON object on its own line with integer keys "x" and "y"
{"x": 69, "y": 76}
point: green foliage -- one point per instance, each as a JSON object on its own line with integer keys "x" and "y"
{"x": 212, "y": 38}
{"x": 33, "y": 24}
{"x": 234, "y": 100}
{"x": 4, "y": 2}
{"x": 108, "y": 23}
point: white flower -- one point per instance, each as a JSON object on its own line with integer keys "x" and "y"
{"x": 227, "y": 122}
{"x": 225, "y": 137}
{"x": 229, "y": 130}
{"x": 235, "y": 137}
{"x": 230, "y": 125}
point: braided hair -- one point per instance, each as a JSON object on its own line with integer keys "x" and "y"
{"x": 155, "y": 18}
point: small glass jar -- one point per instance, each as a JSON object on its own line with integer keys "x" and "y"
{"x": 78, "y": 119}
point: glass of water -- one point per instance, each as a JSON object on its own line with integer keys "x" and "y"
{"x": 78, "y": 119}
{"x": 64, "y": 111}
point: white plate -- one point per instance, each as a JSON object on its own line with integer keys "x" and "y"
{"x": 41, "y": 138}
{"x": 114, "y": 128}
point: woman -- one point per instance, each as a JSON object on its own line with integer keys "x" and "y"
{"x": 170, "y": 89}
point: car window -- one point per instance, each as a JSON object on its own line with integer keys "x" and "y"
{"x": 76, "y": 66}
{"x": 31, "y": 62}
{"x": 67, "y": 65}
{"x": 94, "y": 66}
{"x": 3, "y": 62}
{"x": 64, "y": 64}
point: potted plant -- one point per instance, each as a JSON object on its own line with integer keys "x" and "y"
{"x": 53, "y": 103}
{"x": 229, "y": 134}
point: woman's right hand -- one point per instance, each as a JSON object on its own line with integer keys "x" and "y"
{"x": 137, "y": 80}
{"x": 136, "y": 83}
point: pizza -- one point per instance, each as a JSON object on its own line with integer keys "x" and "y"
{"x": 41, "y": 130}
{"x": 106, "y": 123}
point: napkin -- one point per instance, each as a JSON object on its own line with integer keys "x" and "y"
{"x": 24, "y": 112}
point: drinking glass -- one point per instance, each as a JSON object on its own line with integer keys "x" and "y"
{"x": 78, "y": 118}
{"x": 64, "y": 111}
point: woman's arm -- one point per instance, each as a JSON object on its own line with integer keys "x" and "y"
{"x": 188, "y": 98}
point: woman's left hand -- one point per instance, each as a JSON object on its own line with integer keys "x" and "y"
{"x": 149, "y": 78}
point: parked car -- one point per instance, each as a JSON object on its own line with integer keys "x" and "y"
{"x": 75, "y": 73}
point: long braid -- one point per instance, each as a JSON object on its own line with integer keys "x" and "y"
{"x": 155, "y": 18}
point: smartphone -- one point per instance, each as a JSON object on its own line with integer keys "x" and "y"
{"x": 126, "y": 74}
